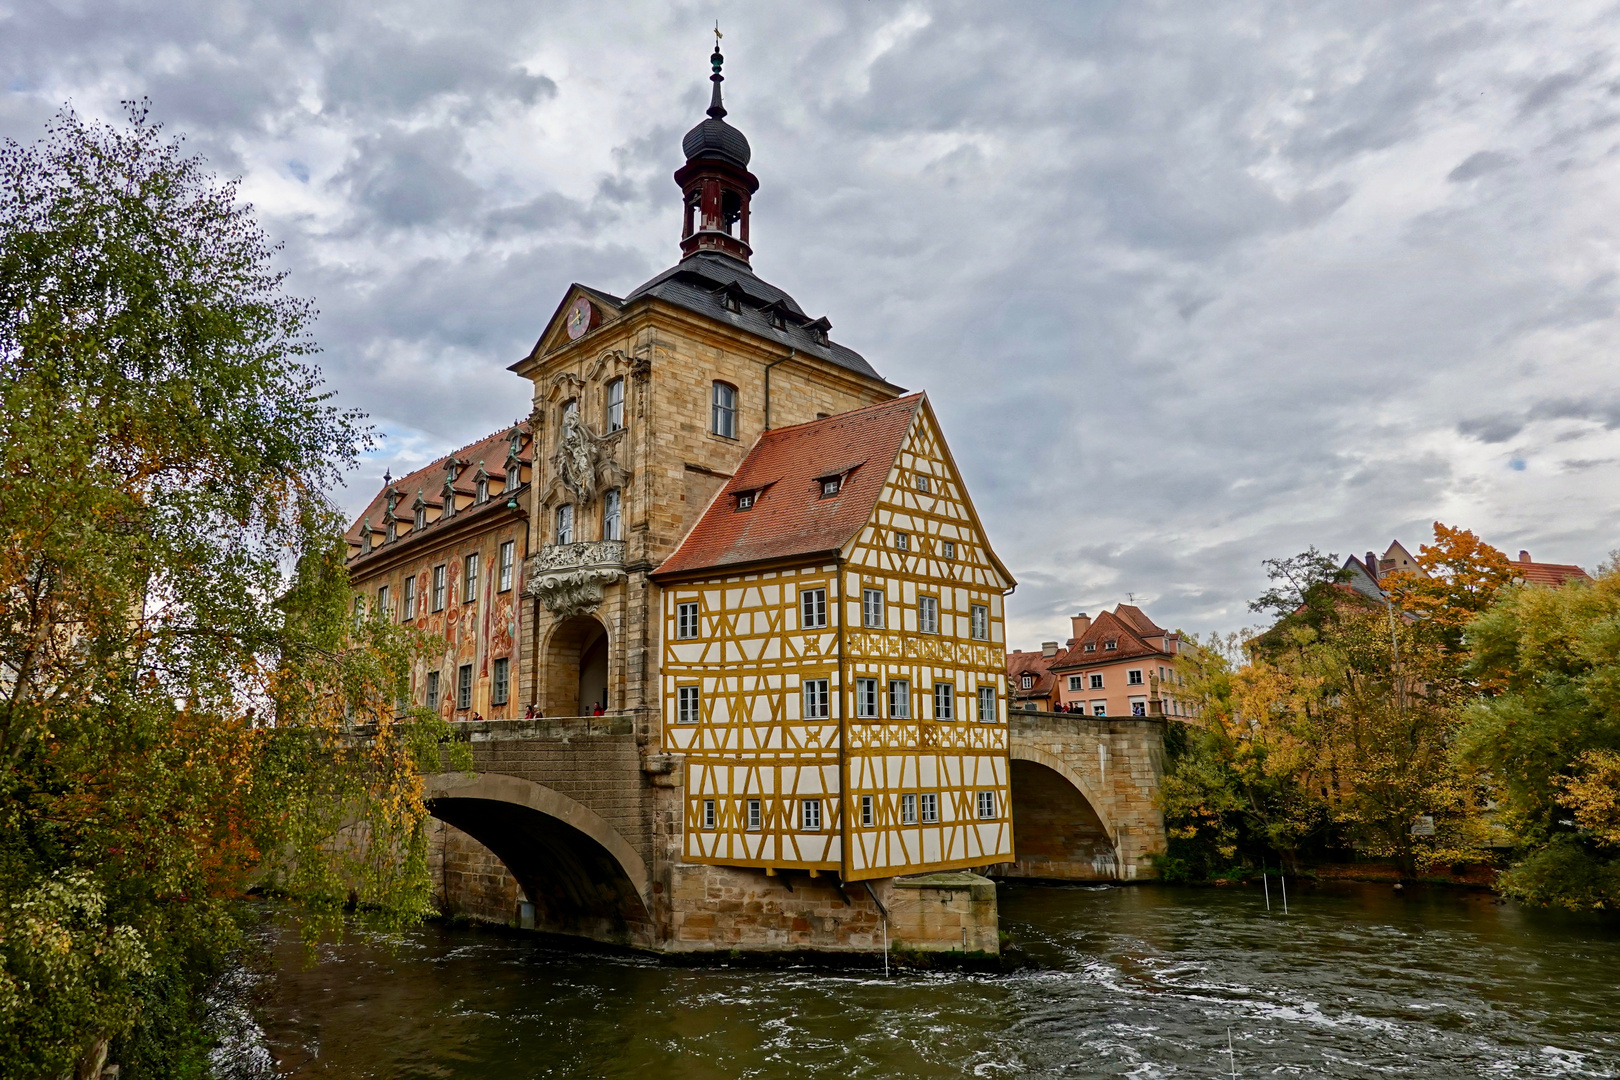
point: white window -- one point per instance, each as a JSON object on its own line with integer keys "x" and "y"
{"x": 987, "y": 804}
{"x": 409, "y": 600}
{"x": 433, "y": 690}
{"x": 421, "y": 518}
{"x": 866, "y": 699}
{"x": 1099, "y": 708}
{"x": 464, "y": 687}
{"x": 1077, "y": 682}
{"x": 902, "y": 541}
{"x": 1109, "y": 646}
{"x": 393, "y": 530}
{"x": 469, "y": 580}
{"x": 1097, "y": 681}
{"x": 987, "y": 704}
{"x": 810, "y": 814}
{"x": 449, "y": 506}
{"x": 565, "y": 524}
{"x": 508, "y": 559}
{"x": 944, "y": 701}
{"x": 979, "y": 622}
{"x": 481, "y": 490}
{"x": 866, "y": 812}
{"x": 686, "y": 707}
{"x": 815, "y": 699}
{"x": 950, "y": 549}
{"x": 439, "y": 587}
{"x": 923, "y": 484}
{"x": 830, "y": 486}
{"x": 872, "y": 608}
{"x": 929, "y": 807}
{"x": 500, "y": 681}
{"x": 615, "y": 405}
{"x": 899, "y": 699}
{"x": 610, "y": 516}
{"x": 745, "y": 500}
{"x": 686, "y": 620}
{"x": 514, "y": 477}
{"x": 708, "y": 814}
{"x": 382, "y": 603}
{"x": 723, "y": 414}
{"x": 928, "y": 614}
{"x": 753, "y": 815}
{"x": 908, "y": 809}
{"x": 1133, "y": 677}
{"x": 1138, "y": 706}
{"x": 813, "y": 609}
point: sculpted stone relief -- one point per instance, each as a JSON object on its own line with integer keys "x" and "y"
{"x": 569, "y": 578}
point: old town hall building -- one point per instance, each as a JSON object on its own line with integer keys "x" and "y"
{"x": 721, "y": 524}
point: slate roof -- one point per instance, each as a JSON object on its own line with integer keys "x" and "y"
{"x": 785, "y": 466}
{"x": 700, "y": 283}
{"x": 1546, "y": 573}
{"x": 1124, "y": 626}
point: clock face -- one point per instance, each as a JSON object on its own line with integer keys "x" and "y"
{"x": 580, "y": 318}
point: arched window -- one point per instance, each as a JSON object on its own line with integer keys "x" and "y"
{"x": 723, "y": 419}
{"x": 514, "y": 476}
{"x": 421, "y": 518}
{"x": 393, "y": 530}
{"x": 449, "y": 503}
{"x": 615, "y": 405}
{"x": 611, "y": 527}
{"x": 482, "y": 495}
{"x": 565, "y": 524}
{"x": 569, "y": 406}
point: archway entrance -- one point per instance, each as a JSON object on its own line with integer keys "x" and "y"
{"x": 576, "y": 668}
{"x": 1056, "y": 832}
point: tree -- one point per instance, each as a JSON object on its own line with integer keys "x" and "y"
{"x": 179, "y": 673}
{"x": 1461, "y": 578}
{"x": 1548, "y": 731}
{"x": 1297, "y": 583}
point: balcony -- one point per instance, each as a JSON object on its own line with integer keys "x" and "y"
{"x": 569, "y": 578}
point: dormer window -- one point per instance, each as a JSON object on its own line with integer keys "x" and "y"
{"x": 830, "y": 486}
{"x": 1028, "y": 682}
{"x": 1090, "y": 646}
{"x": 449, "y": 505}
{"x": 421, "y": 515}
{"x": 819, "y": 329}
{"x": 1109, "y": 646}
{"x": 365, "y": 537}
{"x": 514, "y": 476}
{"x": 393, "y": 530}
{"x": 481, "y": 490}
{"x": 745, "y": 500}
{"x": 731, "y": 297}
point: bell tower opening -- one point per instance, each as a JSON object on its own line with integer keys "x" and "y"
{"x": 715, "y": 182}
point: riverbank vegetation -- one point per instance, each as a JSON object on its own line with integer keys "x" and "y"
{"x": 1470, "y": 718}
{"x": 180, "y": 667}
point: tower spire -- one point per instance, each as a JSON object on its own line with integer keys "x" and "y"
{"x": 717, "y": 108}
{"x": 715, "y": 182}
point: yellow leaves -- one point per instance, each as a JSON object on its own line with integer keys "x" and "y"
{"x": 1593, "y": 794}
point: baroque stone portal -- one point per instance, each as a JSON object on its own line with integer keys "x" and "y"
{"x": 569, "y": 578}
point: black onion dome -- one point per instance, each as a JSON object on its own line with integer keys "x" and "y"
{"x": 716, "y": 139}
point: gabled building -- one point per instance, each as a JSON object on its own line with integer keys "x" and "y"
{"x": 1366, "y": 574}
{"x": 1031, "y": 686}
{"x": 1121, "y": 663}
{"x": 833, "y": 663}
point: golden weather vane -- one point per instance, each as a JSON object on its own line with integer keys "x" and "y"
{"x": 717, "y": 34}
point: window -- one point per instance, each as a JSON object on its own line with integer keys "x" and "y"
{"x": 723, "y": 415}
{"x": 987, "y": 704}
{"x": 1077, "y": 682}
{"x": 393, "y": 530}
{"x": 449, "y": 505}
{"x": 708, "y": 813}
{"x": 810, "y": 814}
{"x": 408, "y": 608}
{"x": 1138, "y": 707}
{"x": 928, "y": 614}
{"x": 987, "y": 804}
{"x": 754, "y": 816}
{"x": 902, "y": 541}
{"x": 610, "y": 516}
{"x": 464, "y": 687}
{"x": 908, "y": 809}
{"x": 1090, "y": 646}
{"x": 469, "y": 579}
{"x": 382, "y": 603}
{"x": 686, "y": 709}
{"x": 1110, "y": 646}
{"x": 830, "y": 486}
{"x": 815, "y": 699}
{"x": 1099, "y": 708}
{"x": 923, "y": 484}
{"x": 1097, "y": 681}
{"x": 813, "y": 609}
{"x": 438, "y": 587}
{"x": 866, "y": 699}
{"x": 421, "y": 519}
{"x": 481, "y": 490}
{"x": 929, "y": 807}
{"x": 615, "y": 405}
{"x": 745, "y": 500}
{"x": 866, "y": 812}
{"x": 950, "y": 549}
{"x": 899, "y": 699}
{"x": 1133, "y": 677}
{"x": 686, "y": 620}
{"x": 514, "y": 477}
{"x": 508, "y": 559}
{"x": 500, "y": 683}
{"x": 1026, "y": 682}
{"x": 872, "y": 608}
{"x": 979, "y": 622}
{"x": 944, "y": 701}
{"x": 359, "y": 611}
{"x": 433, "y": 690}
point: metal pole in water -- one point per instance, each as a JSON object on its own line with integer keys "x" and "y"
{"x": 1283, "y": 881}
{"x": 885, "y": 948}
{"x": 1267, "y": 885}
{"x": 1231, "y": 1058}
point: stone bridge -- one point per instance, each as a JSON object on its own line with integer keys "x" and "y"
{"x": 1083, "y": 791}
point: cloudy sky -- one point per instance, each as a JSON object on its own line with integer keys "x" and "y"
{"x": 1190, "y": 285}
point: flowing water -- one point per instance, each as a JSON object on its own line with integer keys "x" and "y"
{"x": 1142, "y": 982}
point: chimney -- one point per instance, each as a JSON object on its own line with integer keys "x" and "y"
{"x": 1049, "y": 649}
{"x": 1080, "y": 623}
{"x": 1524, "y": 556}
{"x": 1372, "y": 565}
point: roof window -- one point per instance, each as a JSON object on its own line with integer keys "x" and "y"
{"x": 745, "y": 500}
{"x": 831, "y": 485}
{"x": 1112, "y": 643}
{"x": 1090, "y": 646}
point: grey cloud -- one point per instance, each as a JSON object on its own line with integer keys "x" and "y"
{"x": 410, "y": 178}
{"x": 1478, "y": 164}
{"x": 1548, "y": 90}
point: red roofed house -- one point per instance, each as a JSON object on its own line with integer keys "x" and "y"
{"x": 1546, "y": 573}
{"x": 1031, "y": 686}
{"x": 833, "y": 661}
{"x": 1120, "y": 664}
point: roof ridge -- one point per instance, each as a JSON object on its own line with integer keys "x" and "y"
{"x": 845, "y": 415}
{"x": 461, "y": 450}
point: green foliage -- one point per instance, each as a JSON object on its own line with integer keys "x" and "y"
{"x": 178, "y": 666}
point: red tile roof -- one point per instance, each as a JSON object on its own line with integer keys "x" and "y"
{"x": 789, "y": 517}
{"x": 1109, "y": 626}
{"x": 1137, "y": 619}
{"x": 1036, "y": 663}
{"x": 1546, "y": 573}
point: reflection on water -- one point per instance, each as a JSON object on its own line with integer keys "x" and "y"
{"x": 1142, "y": 982}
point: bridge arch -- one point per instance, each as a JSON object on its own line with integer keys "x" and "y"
{"x": 578, "y": 870}
{"x": 1018, "y": 750}
{"x": 1061, "y": 829}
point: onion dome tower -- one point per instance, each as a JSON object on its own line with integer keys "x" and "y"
{"x": 715, "y": 182}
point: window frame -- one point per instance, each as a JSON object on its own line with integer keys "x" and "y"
{"x": 950, "y": 549}
{"x": 469, "y": 577}
{"x": 383, "y": 607}
{"x": 613, "y": 413}
{"x": 944, "y": 703}
{"x": 812, "y": 609}
{"x": 928, "y": 808}
{"x": 927, "y": 614}
{"x": 868, "y": 813}
{"x": 419, "y": 521}
{"x": 464, "y": 687}
{"x": 831, "y": 486}
{"x": 683, "y": 610}
{"x": 755, "y": 821}
{"x": 866, "y": 698}
{"x": 1095, "y": 682}
{"x": 1077, "y": 684}
{"x": 810, "y": 815}
{"x": 872, "y": 615}
{"x": 612, "y": 514}
{"x": 481, "y": 491}
{"x": 900, "y": 704}
{"x": 1133, "y": 677}
{"x": 816, "y": 699}
{"x": 688, "y": 704}
{"x": 902, "y": 541}
{"x": 993, "y": 713}
{"x": 408, "y": 600}
{"x": 924, "y": 484}
{"x": 441, "y": 587}
{"x": 986, "y": 805}
{"x": 726, "y": 411}
{"x": 507, "y": 561}
{"x": 711, "y": 816}
{"x": 908, "y": 809}
{"x": 979, "y": 622}
{"x": 563, "y": 522}
{"x": 500, "y": 681}
{"x": 431, "y": 689}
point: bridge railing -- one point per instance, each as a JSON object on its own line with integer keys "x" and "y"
{"x": 545, "y": 727}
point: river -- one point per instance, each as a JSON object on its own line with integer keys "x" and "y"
{"x": 1142, "y": 982}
